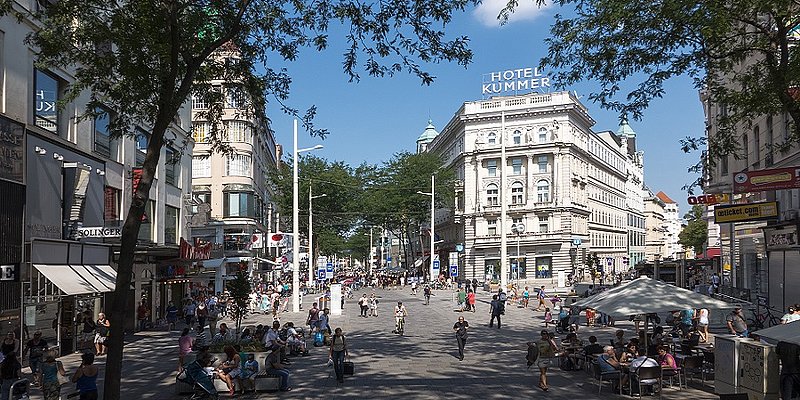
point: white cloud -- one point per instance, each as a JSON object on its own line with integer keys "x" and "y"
{"x": 486, "y": 12}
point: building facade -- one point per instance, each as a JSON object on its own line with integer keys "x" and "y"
{"x": 231, "y": 190}
{"x": 69, "y": 184}
{"x": 635, "y": 193}
{"x": 564, "y": 183}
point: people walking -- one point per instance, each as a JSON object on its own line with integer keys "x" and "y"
{"x": 460, "y": 328}
{"x": 427, "y": 293}
{"x": 313, "y": 318}
{"x": 87, "y": 333}
{"x": 102, "y": 329}
{"x": 471, "y": 301}
{"x": 51, "y": 369}
{"x": 494, "y": 312}
{"x": 10, "y": 372}
{"x": 35, "y": 348}
{"x": 85, "y": 378}
{"x": 541, "y": 296}
{"x": 142, "y": 314}
{"x": 338, "y": 353}
{"x": 525, "y": 297}
{"x": 547, "y": 350}
{"x": 364, "y": 305}
{"x": 373, "y": 305}
{"x": 172, "y": 315}
{"x": 189, "y": 310}
{"x": 462, "y": 298}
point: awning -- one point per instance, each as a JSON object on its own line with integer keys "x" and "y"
{"x": 70, "y": 279}
{"x": 212, "y": 263}
{"x": 782, "y": 333}
{"x": 105, "y": 274}
{"x": 237, "y": 259}
{"x": 709, "y": 253}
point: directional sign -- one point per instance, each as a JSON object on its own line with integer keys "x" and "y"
{"x": 453, "y": 271}
{"x": 436, "y": 264}
{"x": 321, "y": 274}
{"x": 329, "y": 271}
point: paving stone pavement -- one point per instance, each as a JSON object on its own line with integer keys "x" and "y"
{"x": 423, "y": 364}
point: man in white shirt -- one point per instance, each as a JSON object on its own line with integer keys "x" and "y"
{"x": 272, "y": 338}
{"x": 642, "y": 361}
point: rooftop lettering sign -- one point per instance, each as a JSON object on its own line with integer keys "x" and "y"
{"x": 514, "y": 81}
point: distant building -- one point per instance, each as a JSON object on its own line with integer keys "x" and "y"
{"x": 635, "y": 193}
{"x": 565, "y": 183}
{"x": 664, "y": 224}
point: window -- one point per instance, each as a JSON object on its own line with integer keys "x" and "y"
{"x": 768, "y": 159}
{"x": 237, "y": 131}
{"x": 148, "y": 221}
{"x": 201, "y": 166}
{"x": 516, "y": 166}
{"x": 543, "y": 191}
{"x": 517, "y": 193}
{"x": 239, "y": 204}
{"x": 170, "y": 225}
{"x": 492, "y": 195}
{"x": 542, "y": 162}
{"x": 172, "y": 160}
{"x": 723, "y": 165}
{"x": 199, "y": 103}
{"x": 204, "y": 197}
{"x": 542, "y": 135}
{"x": 491, "y": 138}
{"x": 544, "y": 224}
{"x": 141, "y": 139}
{"x": 200, "y": 132}
{"x": 237, "y": 165}
{"x": 102, "y": 133}
{"x": 491, "y": 167}
{"x": 45, "y": 101}
{"x": 746, "y": 148}
{"x": 515, "y": 221}
{"x": 491, "y": 227}
{"x": 235, "y": 98}
{"x": 111, "y": 197}
{"x": 517, "y": 137}
{"x": 756, "y": 145}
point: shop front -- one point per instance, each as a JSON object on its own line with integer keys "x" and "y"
{"x": 783, "y": 254}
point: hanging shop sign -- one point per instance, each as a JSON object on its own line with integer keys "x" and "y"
{"x": 766, "y": 179}
{"x": 514, "y": 81}
{"x": 781, "y": 238}
{"x": 746, "y": 212}
{"x": 198, "y": 251}
{"x": 12, "y": 150}
{"x": 709, "y": 199}
{"x": 9, "y": 273}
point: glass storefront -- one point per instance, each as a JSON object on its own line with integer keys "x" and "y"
{"x": 544, "y": 267}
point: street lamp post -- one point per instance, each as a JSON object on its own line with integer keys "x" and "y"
{"x": 311, "y": 259}
{"x": 296, "y": 223}
{"x": 433, "y": 228}
{"x": 518, "y": 229}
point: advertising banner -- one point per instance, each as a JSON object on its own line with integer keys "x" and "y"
{"x": 766, "y": 179}
{"x": 746, "y": 212}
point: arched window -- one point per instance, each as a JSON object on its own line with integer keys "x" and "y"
{"x": 491, "y": 138}
{"x": 542, "y": 135}
{"x": 543, "y": 191}
{"x": 492, "y": 195}
{"x": 517, "y": 137}
{"x": 517, "y": 193}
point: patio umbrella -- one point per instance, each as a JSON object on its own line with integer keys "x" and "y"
{"x": 789, "y": 333}
{"x": 645, "y": 296}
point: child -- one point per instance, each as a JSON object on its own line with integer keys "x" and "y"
{"x": 548, "y": 317}
{"x": 249, "y": 373}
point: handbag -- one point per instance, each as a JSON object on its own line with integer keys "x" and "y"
{"x": 348, "y": 368}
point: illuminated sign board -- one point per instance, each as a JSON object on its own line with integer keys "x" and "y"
{"x": 514, "y": 81}
{"x": 709, "y": 199}
{"x": 746, "y": 212}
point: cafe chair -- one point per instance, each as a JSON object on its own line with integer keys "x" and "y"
{"x": 693, "y": 365}
{"x": 672, "y": 374}
{"x": 642, "y": 374}
{"x": 708, "y": 364}
{"x": 611, "y": 377}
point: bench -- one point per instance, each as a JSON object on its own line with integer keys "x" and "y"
{"x": 264, "y": 382}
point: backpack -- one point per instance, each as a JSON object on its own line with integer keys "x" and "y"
{"x": 533, "y": 353}
{"x": 319, "y": 339}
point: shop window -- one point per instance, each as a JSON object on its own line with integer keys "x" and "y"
{"x": 544, "y": 267}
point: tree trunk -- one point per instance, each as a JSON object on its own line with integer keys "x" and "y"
{"x": 120, "y": 310}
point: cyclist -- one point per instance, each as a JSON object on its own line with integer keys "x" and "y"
{"x": 400, "y": 314}
{"x": 427, "y": 291}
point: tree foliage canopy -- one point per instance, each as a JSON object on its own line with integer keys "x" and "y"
{"x": 740, "y": 53}
{"x": 695, "y": 233}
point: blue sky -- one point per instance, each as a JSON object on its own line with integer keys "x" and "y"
{"x": 371, "y": 120}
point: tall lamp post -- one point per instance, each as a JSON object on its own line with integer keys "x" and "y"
{"x": 296, "y": 223}
{"x": 311, "y": 258}
{"x": 433, "y": 228}
{"x": 518, "y": 229}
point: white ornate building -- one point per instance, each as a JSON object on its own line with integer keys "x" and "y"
{"x": 565, "y": 183}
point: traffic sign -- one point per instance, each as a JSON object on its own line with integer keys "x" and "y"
{"x": 329, "y": 271}
{"x": 577, "y": 242}
{"x": 436, "y": 264}
{"x": 453, "y": 271}
{"x": 321, "y": 274}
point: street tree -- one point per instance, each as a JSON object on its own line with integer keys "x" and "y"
{"x": 741, "y": 53}
{"x": 695, "y": 233}
{"x": 143, "y": 59}
{"x": 239, "y": 288}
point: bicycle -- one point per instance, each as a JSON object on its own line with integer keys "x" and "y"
{"x": 400, "y": 325}
{"x": 762, "y": 320}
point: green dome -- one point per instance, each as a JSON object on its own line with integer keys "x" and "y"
{"x": 625, "y": 130}
{"x": 428, "y": 134}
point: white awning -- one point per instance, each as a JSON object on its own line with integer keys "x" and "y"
{"x": 237, "y": 259}
{"x": 213, "y": 263}
{"x": 66, "y": 279}
{"x": 102, "y": 277}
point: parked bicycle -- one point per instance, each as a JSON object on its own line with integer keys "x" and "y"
{"x": 761, "y": 320}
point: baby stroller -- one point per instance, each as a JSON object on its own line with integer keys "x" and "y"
{"x": 19, "y": 390}
{"x": 194, "y": 374}
{"x": 563, "y": 325}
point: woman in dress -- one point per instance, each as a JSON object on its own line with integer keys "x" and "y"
{"x": 51, "y": 369}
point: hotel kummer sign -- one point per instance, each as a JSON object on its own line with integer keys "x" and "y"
{"x": 767, "y": 179}
{"x": 514, "y": 81}
{"x": 12, "y": 150}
